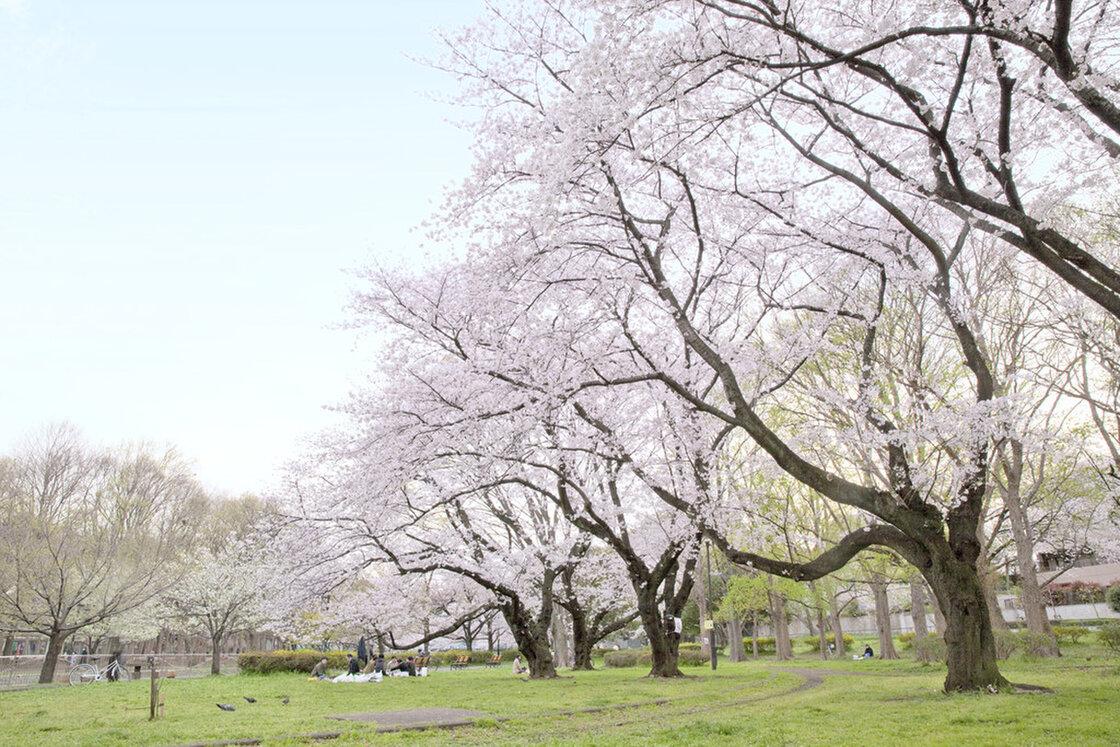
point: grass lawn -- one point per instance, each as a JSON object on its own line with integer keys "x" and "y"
{"x": 762, "y": 702}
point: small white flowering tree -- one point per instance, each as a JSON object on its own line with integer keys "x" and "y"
{"x": 223, "y": 594}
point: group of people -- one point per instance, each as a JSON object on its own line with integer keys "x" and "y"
{"x": 373, "y": 669}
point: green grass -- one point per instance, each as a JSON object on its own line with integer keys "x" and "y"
{"x": 748, "y": 703}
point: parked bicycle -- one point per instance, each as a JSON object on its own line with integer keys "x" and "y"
{"x": 83, "y": 674}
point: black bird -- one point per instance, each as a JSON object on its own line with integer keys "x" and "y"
{"x": 226, "y": 707}
{"x": 250, "y": 700}
{"x": 284, "y": 700}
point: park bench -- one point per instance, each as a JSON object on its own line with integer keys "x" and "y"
{"x": 461, "y": 662}
{"x": 493, "y": 661}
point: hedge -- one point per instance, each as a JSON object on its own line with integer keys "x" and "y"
{"x": 268, "y": 662}
{"x": 445, "y": 658}
{"x": 641, "y": 657}
{"x": 814, "y": 642}
{"x": 766, "y": 645}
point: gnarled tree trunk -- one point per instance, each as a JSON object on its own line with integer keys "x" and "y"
{"x": 970, "y": 644}
{"x": 531, "y": 636}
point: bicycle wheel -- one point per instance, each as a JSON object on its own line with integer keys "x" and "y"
{"x": 83, "y": 674}
{"x": 123, "y": 675}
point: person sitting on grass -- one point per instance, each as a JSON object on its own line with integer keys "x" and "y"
{"x": 518, "y": 667}
{"x": 408, "y": 666}
{"x": 868, "y": 653}
{"x": 372, "y": 665}
{"x": 319, "y": 672}
{"x": 352, "y": 664}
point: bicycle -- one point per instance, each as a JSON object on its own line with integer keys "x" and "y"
{"x": 83, "y": 674}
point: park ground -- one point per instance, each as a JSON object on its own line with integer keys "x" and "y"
{"x": 806, "y": 701}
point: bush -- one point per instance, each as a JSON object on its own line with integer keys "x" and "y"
{"x": 814, "y": 642}
{"x": 621, "y": 659}
{"x": 1113, "y": 597}
{"x": 1006, "y": 643}
{"x": 1068, "y": 633}
{"x": 905, "y": 639}
{"x": 268, "y": 662}
{"x": 1035, "y": 644}
{"x": 1109, "y": 635}
{"x": 641, "y": 657}
{"x": 928, "y": 649}
{"x": 445, "y": 658}
{"x": 766, "y": 645}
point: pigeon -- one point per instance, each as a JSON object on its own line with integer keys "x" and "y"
{"x": 284, "y": 700}
{"x": 226, "y": 707}
{"x": 250, "y": 700}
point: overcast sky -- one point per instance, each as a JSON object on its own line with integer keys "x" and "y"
{"x": 183, "y": 185}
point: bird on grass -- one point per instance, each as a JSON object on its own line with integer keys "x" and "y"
{"x": 284, "y": 700}
{"x": 226, "y": 707}
{"x": 250, "y": 700}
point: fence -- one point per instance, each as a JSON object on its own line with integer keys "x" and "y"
{"x": 23, "y": 671}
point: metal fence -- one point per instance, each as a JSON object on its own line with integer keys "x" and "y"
{"x": 23, "y": 671}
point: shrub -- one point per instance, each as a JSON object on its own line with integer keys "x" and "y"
{"x": 1113, "y": 597}
{"x": 624, "y": 658}
{"x": 1035, "y": 644}
{"x": 928, "y": 649}
{"x": 814, "y": 642}
{"x": 766, "y": 645}
{"x": 445, "y": 658}
{"x": 1006, "y": 643}
{"x": 268, "y": 662}
{"x": 1068, "y": 633}
{"x": 641, "y": 657}
{"x": 1109, "y": 635}
{"x": 905, "y": 639}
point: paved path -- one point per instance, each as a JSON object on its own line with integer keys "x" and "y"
{"x": 414, "y": 718}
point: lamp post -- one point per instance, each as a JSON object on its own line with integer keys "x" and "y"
{"x": 711, "y": 612}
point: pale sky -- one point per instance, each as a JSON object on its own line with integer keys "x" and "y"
{"x": 183, "y": 185}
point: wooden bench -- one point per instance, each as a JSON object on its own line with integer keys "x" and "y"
{"x": 493, "y": 661}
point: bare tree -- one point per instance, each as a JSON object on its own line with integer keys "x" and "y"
{"x": 89, "y": 534}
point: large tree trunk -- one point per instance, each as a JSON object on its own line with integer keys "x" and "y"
{"x": 782, "y": 645}
{"x": 9, "y": 646}
{"x": 754, "y": 635}
{"x": 735, "y": 650}
{"x": 918, "y": 609}
{"x": 883, "y": 620}
{"x": 581, "y": 642}
{"x": 969, "y": 642}
{"x": 50, "y": 662}
{"x": 837, "y": 626}
{"x": 664, "y": 641}
{"x": 1034, "y": 607}
{"x": 531, "y": 636}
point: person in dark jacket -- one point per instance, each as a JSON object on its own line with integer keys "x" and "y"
{"x": 352, "y": 665}
{"x": 868, "y": 653}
